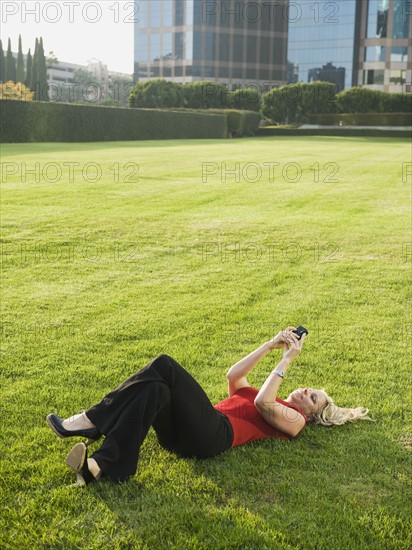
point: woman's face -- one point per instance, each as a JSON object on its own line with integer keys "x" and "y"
{"x": 308, "y": 400}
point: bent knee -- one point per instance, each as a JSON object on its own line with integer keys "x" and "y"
{"x": 163, "y": 357}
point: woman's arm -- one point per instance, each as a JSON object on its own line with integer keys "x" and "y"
{"x": 277, "y": 415}
{"x": 236, "y": 375}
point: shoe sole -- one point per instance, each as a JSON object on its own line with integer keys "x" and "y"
{"x": 75, "y": 459}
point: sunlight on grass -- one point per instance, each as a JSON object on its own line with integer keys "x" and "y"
{"x": 113, "y": 253}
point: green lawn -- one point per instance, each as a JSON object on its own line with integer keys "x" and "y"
{"x": 103, "y": 271}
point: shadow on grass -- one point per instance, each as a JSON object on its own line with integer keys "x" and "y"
{"x": 328, "y": 488}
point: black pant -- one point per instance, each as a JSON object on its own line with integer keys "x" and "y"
{"x": 163, "y": 395}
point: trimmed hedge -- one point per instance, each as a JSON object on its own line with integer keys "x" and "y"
{"x": 296, "y": 103}
{"x": 336, "y": 132}
{"x": 293, "y": 102}
{"x": 204, "y": 95}
{"x": 24, "y": 121}
{"x": 365, "y": 100}
{"x": 156, "y": 94}
{"x": 248, "y": 99}
{"x": 240, "y": 123}
{"x": 362, "y": 119}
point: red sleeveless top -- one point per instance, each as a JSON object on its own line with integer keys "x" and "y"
{"x": 247, "y": 423}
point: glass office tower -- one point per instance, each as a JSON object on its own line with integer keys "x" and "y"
{"x": 234, "y": 42}
{"x": 352, "y": 43}
{"x": 385, "y": 55}
{"x": 322, "y": 42}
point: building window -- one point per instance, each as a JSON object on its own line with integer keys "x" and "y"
{"x": 401, "y": 14}
{"x": 197, "y": 45}
{"x": 142, "y": 48}
{"x": 209, "y": 46}
{"x": 238, "y": 48}
{"x": 155, "y": 47}
{"x": 155, "y": 6}
{"x": 189, "y": 12}
{"x": 223, "y": 72}
{"x": 263, "y": 74}
{"x": 251, "y": 73}
{"x": 397, "y": 77}
{"x": 142, "y": 18}
{"x": 374, "y": 76}
{"x": 251, "y": 49}
{"x": 237, "y": 72}
{"x": 167, "y": 46}
{"x": 179, "y": 13}
{"x": 224, "y": 48}
{"x": 377, "y": 25}
{"x": 197, "y": 9}
{"x": 375, "y": 53}
{"x": 189, "y": 45}
{"x": 179, "y": 50}
{"x": 399, "y": 53}
{"x": 167, "y": 14}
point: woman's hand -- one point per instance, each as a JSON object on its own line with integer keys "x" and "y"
{"x": 294, "y": 349}
{"x": 283, "y": 339}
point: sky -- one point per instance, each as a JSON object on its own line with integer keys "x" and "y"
{"x": 75, "y": 30}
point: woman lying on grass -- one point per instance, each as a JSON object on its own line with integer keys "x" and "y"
{"x": 164, "y": 395}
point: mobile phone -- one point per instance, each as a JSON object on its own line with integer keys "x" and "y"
{"x": 300, "y": 331}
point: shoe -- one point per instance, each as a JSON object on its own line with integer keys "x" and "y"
{"x": 77, "y": 461}
{"x": 55, "y": 423}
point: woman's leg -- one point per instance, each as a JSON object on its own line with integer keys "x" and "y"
{"x": 166, "y": 396}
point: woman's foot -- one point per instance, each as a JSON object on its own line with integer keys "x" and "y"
{"x": 87, "y": 470}
{"x": 78, "y": 422}
{"x": 76, "y": 425}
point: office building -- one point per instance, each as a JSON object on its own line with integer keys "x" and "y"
{"x": 352, "y": 43}
{"x": 266, "y": 43}
{"x": 233, "y": 42}
{"x": 385, "y": 46}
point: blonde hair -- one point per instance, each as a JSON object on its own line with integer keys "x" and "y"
{"x": 332, "y": 415}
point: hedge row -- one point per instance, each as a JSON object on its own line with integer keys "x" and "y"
{"x": 158, "y": 93}
{"x": 294, "y": 103}
{"x": 240, "y": 123}
{"x": 337, "y": 132}
{"x": 362, "y": 119}
{"x": 26, "y": 121}
{"x": 365, "y": 100}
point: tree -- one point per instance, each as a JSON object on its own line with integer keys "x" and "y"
{"x": 20, "y": 73}
{"x": 88, "y": 88}
{"x": 119, "y": 91}
{"x": 42, "y": 68}
{"x": 2, "y": 64}
{"x": 10, "y": 65}
{"x": 51, "y": 60}
{"x": 29, "y": 70}
{"x": 34, "y": 72}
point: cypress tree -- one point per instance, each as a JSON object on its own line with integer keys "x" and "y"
{"x": 42, "y": 68}
{"x": 2, "y": 64}
{"x": 10, "y": 65}
{"x": 20, "y": 64}
{"x": 34, "y": 72}
{"x": 29, "y": 69}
